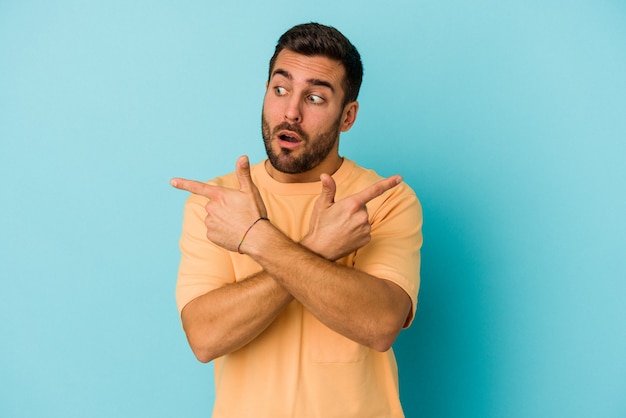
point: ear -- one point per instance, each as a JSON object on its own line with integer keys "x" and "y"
{"x": 348, "y": 116}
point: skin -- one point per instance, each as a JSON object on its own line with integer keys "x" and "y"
{"x": 305, "y": 92}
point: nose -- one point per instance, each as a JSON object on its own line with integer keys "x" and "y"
{"x": 292, "y": 112}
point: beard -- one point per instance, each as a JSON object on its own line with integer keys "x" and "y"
{"x": 309, "y": 155}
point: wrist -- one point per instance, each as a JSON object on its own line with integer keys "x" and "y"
{"x": 243, "y": 238}
{"x": 257, "y": 237}
{"x": 310, "y": 243}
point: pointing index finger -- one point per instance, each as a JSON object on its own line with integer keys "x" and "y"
{"x": 193, "y": 186}
{"x": 377, "y": 189}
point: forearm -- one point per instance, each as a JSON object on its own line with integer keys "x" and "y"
{"x": 366, "y": 309}
{"x": 227, "y": 318}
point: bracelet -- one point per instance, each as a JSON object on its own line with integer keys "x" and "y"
{"x": 262, "y": 218}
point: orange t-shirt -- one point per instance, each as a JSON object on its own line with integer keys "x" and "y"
{"x": 298, "y": 367}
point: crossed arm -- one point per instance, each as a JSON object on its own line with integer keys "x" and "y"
{"x": 355, "y": 304}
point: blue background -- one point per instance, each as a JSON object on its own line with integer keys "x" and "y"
{"x": 507, "y": 118}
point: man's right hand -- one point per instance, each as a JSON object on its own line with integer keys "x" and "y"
{"x": 338, "y": 228}
{"x": 229, "y": 211}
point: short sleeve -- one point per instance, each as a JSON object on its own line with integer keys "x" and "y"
{"x": 203, "y": 265}
{"x": 394, "y": 250}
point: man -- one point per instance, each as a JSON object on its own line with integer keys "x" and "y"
{"x": 298, "y": 273}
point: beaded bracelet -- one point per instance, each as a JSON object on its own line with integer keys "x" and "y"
{"x": 262, "y": 218}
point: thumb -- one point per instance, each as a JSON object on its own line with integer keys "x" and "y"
{"x": 242, "y": 170}
{"x": 329, "y": 188}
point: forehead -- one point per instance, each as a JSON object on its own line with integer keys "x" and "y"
{"x": 303, "y": 68}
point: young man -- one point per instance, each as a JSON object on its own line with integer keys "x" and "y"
{"x": 298, "y": 273}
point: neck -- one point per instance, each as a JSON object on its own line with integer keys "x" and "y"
{"x": 329, "y": 166}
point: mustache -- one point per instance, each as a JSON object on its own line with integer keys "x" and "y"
{"x": 286, "y": 126}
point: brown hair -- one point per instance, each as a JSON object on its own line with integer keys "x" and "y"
{"x": 313, "y": 39}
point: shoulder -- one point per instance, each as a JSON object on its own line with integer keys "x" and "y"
{"x": 361, "y": 177}
{"x": 228, "y": 181}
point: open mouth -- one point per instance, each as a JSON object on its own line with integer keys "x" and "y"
{"x": 288, "y": 138}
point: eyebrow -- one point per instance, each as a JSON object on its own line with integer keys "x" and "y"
{"x": 311, "y": 81}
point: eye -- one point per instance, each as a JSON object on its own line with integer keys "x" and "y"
{"x": 315, "y": 99}
{"x": 280, "y": 91}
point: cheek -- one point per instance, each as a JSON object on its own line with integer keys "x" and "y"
{"x": 322, "y": 121}
{"x": 265, "y": 108}
{"x": 271, "y": 107}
